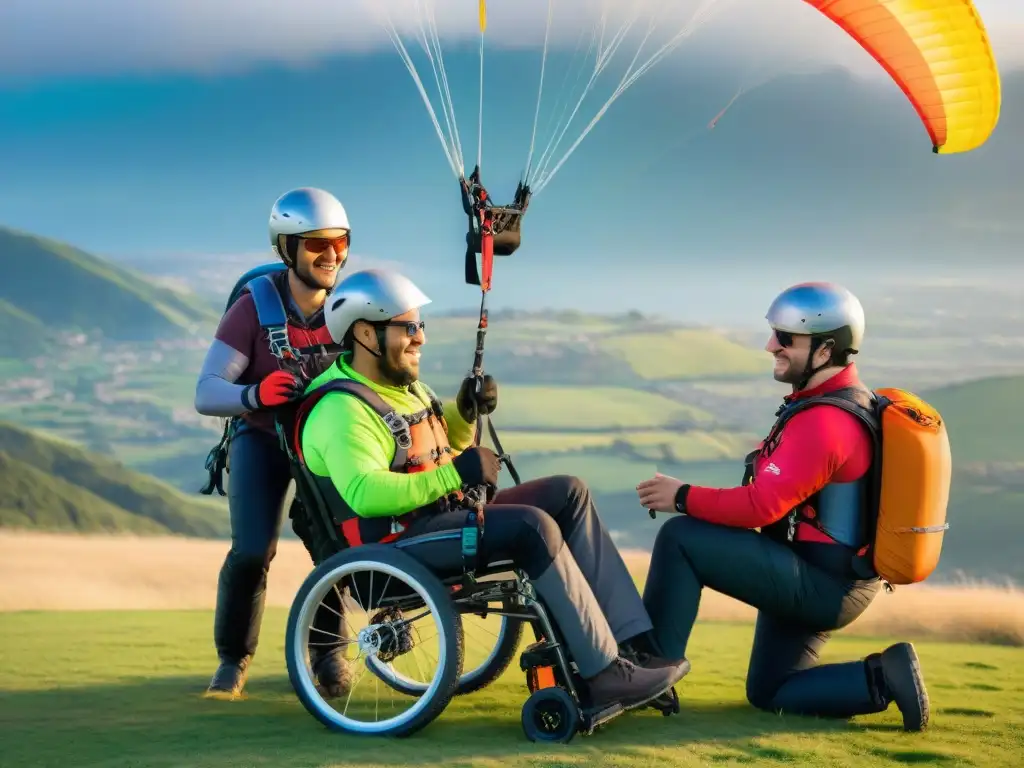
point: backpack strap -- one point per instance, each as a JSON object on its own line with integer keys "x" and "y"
{"x": 395, "y": 422}
{"x": 272, "y": 317}
{"x": 274, "y": 320}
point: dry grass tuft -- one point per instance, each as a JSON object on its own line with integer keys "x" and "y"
{"x": 63, "y": 572}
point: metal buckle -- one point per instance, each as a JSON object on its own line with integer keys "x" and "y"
{"x": 280, "y": 346}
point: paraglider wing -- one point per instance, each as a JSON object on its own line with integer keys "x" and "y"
{"x": 938, "y": 52}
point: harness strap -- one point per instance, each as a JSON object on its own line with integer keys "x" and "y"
{"x": 845, "y": 399}
{"x": 274, "y": 320}
{"x": 396, "y": 422}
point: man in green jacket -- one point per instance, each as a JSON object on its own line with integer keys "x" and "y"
{"x": 548, "y": 527}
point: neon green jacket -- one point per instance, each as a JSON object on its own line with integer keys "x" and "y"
{"x": 345, "y": 440}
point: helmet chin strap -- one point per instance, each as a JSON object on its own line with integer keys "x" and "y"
{"x": 380, "y": 342}
{"x": 809, "y": 372}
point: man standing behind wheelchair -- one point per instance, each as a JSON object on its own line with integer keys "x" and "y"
{"x": 242, "y": 379}
{"x": 548, "y": 527}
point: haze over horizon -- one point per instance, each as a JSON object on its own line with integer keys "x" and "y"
{"x": 167, "y": 135}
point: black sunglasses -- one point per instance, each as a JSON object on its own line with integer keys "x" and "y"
{"x": 411, "y": 327}
{"x": 785, "y": 338}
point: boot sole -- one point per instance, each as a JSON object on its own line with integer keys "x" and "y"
{"x": 912, "y": 722}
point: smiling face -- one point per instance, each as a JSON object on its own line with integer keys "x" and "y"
{"x": 403, "y": 339}
{"x": 791, "y": 352}
{"x": 398, "y": 363}
{"x": 321, "y": 256}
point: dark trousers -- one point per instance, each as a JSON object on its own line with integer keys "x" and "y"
{"x": 258, "y": 481}
{"x": 551, "y": 530}
{"x": 802, "y": 594}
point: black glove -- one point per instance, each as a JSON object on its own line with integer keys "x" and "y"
{"x": 478, "y": 466}
{"x": 471, "y": 404}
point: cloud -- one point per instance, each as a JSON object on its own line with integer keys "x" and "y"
{"x": 53, "y": 38}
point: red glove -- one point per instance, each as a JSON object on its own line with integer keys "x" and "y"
{"x": 278, "y": 388}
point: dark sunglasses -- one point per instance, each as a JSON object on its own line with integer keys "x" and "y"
{"x": 320, "y": 244}
{"x": 785, "y": 338}
{"x": 411, "y": 327}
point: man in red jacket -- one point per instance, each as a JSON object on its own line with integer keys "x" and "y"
{"x": 806, "y": 489}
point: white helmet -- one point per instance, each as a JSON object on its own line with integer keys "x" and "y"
{"x": 373, "y": 295}
{"x": 302, "y": 210}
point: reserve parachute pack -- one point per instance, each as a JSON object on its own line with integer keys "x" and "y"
{"x": 910, "y": 482}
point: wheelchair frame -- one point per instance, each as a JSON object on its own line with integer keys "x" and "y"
{"x": 555, "y": 710}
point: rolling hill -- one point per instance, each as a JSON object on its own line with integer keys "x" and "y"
{"x": 49, "y": 484}
{"x": 47, "y": 285}
{"x": 985, "y": 418}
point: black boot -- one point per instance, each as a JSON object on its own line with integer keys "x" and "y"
{"x": 333, "y": 672}
{"x": 895, "y": 676}
{"x": 241, "y": 595}
{"x": 229, "y": 679}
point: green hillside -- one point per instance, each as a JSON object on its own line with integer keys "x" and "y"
{"x": 50, "y": 484}
{"x": 48, "y": 284}
{"x": 30, "y": 498}
{"x": 685, "y": 354}
{"x": 985, "y": 418}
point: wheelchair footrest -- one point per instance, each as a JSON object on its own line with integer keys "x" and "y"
{"x": 593, "y": 718}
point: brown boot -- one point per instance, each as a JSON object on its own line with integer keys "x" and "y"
{"x": 630, "y": 685}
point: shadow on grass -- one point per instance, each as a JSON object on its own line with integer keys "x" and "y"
{"x": 166, "y": 722}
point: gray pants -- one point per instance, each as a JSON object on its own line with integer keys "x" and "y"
{"x": 551, "y": 530}
{"x": 802, "y": 594}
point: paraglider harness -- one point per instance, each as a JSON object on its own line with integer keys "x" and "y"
{"x": 259, "y": 282}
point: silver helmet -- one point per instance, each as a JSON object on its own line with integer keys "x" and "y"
{"x": 373, "y": 295}
{"x": 820, "y": 309}
{"x": 302, "y": 210}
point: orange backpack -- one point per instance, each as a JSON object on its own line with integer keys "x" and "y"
{"x": 911, "y": 476}
{"x": 912, "y": 488}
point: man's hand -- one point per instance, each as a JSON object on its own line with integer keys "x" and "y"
{"x": 276, "y": 389}
{"x": 478, "y": 466}
{"x": 471, "y": 404}
{"x": 659, "y": 493}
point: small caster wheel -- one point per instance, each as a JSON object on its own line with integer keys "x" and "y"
{"x": 551, "y": 715}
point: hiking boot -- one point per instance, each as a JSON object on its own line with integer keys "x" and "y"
{"x": 631, "y": 685}
{"x": 229, "y": 679}
{"x": 333, "y": 673}
{"x": 650, "y": 660}
{"x": 898, "y": 678}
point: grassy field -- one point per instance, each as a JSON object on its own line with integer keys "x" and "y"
{"x": 592, "y": 408}
{"x": 105, "y": 649}
{"x": 126, "y": 692}
{"x": 686, "y": 354}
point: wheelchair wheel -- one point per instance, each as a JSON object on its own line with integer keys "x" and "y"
{"x": 550, "y": 715}
{"x": 387, "y": 592}
{"x": 488, "y": 649}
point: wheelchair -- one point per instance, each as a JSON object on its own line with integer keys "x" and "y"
{"x": 394, "y": 590}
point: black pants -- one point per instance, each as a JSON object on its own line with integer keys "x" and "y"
{"x": 802, "y": 594}
{"x": 551, "y": 530}
{"x": 257, "y": 486}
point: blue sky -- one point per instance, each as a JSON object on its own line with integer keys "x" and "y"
{"x": 168, "y": 128}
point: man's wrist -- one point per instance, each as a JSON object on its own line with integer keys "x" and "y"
{"x": 680, "y": 499}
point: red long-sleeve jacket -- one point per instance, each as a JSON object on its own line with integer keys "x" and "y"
{"x": 817, "y": 446}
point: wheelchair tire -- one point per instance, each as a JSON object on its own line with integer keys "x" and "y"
{"x": 399, "y": 565}
{"x": 551, "y": 715}
{"x": 509, "y": 638}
